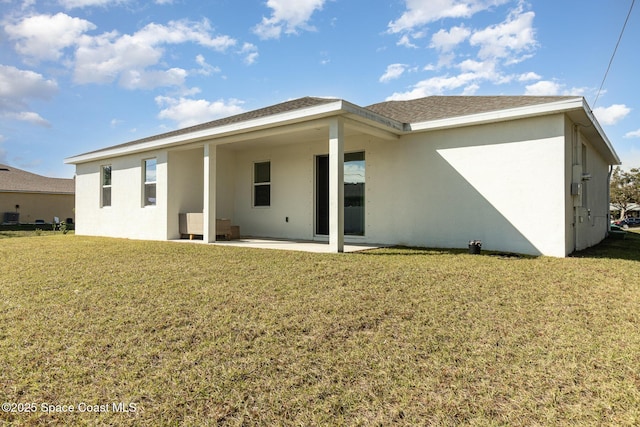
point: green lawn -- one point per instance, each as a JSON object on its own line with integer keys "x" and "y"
{"x": 192, "y": 334}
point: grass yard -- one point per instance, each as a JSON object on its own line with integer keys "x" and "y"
{"x": 188, "y": 334}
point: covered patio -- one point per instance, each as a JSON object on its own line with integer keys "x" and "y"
{"x": 288, "y": 245}
{"x": 225, "y": 178}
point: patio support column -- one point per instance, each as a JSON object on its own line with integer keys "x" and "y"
{"x": 209, "y": 211}
{"x": 336, "y": 185}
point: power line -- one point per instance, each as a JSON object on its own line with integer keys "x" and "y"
{"x": 614, "y": 53}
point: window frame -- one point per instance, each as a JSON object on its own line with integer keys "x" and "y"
{"x": 104, "y": 186}
{"x": 147, "y": 184}
{"x": 262, "y": 184}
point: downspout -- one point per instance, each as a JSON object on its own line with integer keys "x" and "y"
{"x": 609, "y": 199}
{"x": 574, "y": 153}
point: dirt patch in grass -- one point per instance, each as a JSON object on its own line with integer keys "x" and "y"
{"x": 197, "y": 335}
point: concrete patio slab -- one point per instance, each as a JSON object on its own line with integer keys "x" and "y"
{"x": 294, "y": 245}
{"x": 288, "y": 245}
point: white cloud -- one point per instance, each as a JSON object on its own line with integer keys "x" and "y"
{"x": 513, "y": 36}
{"x": 633, "y": 134}
{"x": 437, "y": 86}
{"x": 470, "y": 89}
{"x": 498, "y": 46}
{"x": 108, "y": 57}
{"x": 484, "y": 69}
{"x": 422, "y": 12}
{"x": 467, "y": 82}
{"x": 542, "y": 88}
{"x": 612, "y": 114}
{"x": 143, "y": 79}
{"x": 288, "y": 16}
{"x": 176, "y": 32}
{"x": 250, "y": 52}
{"x": 206, "y": 69}
{"x": 111, "y": 56}
{"x": 18, "y": 88}
{"x": 446, "y": 60}
{"x": 445, "y": 41}
{"x": 577, "y": 91}
{"x": 406, "y": 42}
{"x": 72, "y": 4}
{"x": 29, "y": 117}
{"x": 548, "y": 87}
{"x": 526, "y": 77}
{"x": 393, "y": 72}
{"x": 188, "y": 112}
{"x": 19, "y": 85}
{"x": 43, "y": 37}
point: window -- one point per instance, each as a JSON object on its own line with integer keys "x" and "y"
{"x": 354, "y": 200}
{"x": 106, "y": 186}
{"x": 262, "y": 184}
{"x": 150, "y": 182}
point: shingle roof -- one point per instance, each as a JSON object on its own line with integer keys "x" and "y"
{"x": 17, "y": 180}
{"x": 411, "y": 111}
{"x": 442, "y": 107}
{"x": 296, "y": 104}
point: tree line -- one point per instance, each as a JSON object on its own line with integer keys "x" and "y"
{"x": 625, "y": 189}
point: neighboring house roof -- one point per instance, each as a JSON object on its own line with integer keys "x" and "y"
{"x": 20, "y": 181}
{"x": 392, "y": 117}
{"x": 630, "y": 207}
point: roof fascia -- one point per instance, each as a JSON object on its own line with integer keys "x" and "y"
{"x": 499, "y": 115}
{"x": 364, "y": 115}
{"x": 275, "y": 120}
{"x": 577, "y": 104}
{"x": 600, "y": 131}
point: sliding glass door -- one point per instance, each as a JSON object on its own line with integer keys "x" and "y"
{"x": 354, "y": 194}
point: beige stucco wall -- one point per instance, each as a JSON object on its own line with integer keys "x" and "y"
{"x": 586, "y": 217}
{"x": 127, "y": 216}
{"x": 35, "y": 206}
{"x": 186, "y": 186}
{"x": 500, "y": 183}
{"x": 507, "y": 184}
{"x": 592, "y": 215}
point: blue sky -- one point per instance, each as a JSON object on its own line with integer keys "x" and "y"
{"x": 78, "y": 75}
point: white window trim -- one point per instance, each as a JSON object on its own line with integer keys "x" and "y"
{"x": 145, "y": 183}
{"x": 255, "y": 184}
{"x": 103, "y": 186}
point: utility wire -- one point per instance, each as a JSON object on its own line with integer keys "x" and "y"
{"x": 614, "y": 53}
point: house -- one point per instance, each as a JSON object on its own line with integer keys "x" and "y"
{"x": 632, "y": 210}
{"x": 26, "y": 197}
{"x": 522, "y": 174}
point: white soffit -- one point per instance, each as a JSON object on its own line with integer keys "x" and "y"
{"x": 281, "y": 119}
{"x": 385, "y": 127}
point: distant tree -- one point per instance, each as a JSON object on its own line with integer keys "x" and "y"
{"x": 625, "y": 189}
